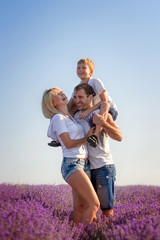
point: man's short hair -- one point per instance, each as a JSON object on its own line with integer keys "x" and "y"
{"x": 86, "y": 87}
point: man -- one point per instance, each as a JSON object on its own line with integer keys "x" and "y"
{"x": 101, "y": 163}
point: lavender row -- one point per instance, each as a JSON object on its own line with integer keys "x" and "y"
{"x": 42, "y": 213}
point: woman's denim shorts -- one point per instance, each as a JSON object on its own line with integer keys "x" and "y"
{"x": 103, "y": 181}
{"x": 71, "y": 165}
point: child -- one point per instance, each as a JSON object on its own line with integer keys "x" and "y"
{"x": 85, "y": 70}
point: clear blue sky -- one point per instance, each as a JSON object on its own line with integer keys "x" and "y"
{"x": 40, "y": 44}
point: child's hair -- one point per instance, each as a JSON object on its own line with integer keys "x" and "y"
{"x": 48, "y": 109}
{"x": 89, "y": 62}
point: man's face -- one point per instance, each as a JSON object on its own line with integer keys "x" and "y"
{"x": 81, "y": 100}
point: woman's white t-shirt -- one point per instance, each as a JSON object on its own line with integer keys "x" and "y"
{"x": 60, "y": 124}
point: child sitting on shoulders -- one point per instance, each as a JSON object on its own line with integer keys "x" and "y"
{"x": 85, "y": 70}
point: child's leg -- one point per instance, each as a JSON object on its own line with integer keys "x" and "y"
{"x": 104, "y": 113}
{"x": 114, "y": 113}
{"x": 93, "y": 140}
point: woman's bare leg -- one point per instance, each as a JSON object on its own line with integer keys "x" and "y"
{"x": 78, "y": 205}
{"x": 84, "y": 196}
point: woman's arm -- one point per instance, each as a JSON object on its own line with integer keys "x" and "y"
{"x": 71, "y": 107}
{"x": 71, "y": 143}
{"x": 70, "y": 104}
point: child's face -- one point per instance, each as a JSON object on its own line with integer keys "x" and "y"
{"x": 83, "y": 71}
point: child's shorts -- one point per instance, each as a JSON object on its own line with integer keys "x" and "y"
{"x": 113, "y": 113}
{"x": 71, "y": 165}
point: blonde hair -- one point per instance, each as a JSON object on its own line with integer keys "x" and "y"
{"x": 89, "y": 62}
{"x": 48, "y": 109}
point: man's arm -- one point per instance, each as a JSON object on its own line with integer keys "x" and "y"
{"x": 109, "y": 126}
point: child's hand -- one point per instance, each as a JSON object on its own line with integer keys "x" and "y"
{"x": 83, "y": 114}
{"x": 98, "y": 119}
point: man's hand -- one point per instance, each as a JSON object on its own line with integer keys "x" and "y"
{"x": 98, "y": 119}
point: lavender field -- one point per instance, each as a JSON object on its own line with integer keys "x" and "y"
{"x": 42, "y": 213}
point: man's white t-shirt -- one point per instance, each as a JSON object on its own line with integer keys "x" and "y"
{"x": 60, "y": 124}
{"x": 101, "y": 155}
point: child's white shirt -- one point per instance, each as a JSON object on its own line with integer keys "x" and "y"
{"x": 98, "y": 88}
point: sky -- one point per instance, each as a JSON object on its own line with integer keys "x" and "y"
{"x": 40, "y": 44}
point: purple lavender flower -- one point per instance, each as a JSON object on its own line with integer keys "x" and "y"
{"x": 42, "y": 212}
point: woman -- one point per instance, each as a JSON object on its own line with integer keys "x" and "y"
{"x": 74, "y": 166}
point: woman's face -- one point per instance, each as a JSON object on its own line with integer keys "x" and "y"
{"x": 58, "y": 97}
